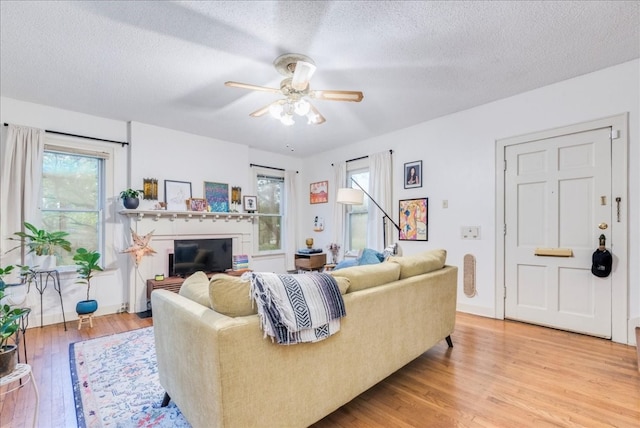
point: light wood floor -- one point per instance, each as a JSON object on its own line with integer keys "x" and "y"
{"x": 498, "y": 374}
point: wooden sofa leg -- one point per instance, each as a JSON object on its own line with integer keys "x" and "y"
{"x": 165, "y": 400}
{"x": 449, "y": 342}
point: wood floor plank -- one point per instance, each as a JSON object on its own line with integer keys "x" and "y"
{"x": 498, "y": 374}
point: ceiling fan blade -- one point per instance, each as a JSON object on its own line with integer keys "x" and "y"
{"x": 319, "y": 118}
{"x": 264, "y": 110}
{"x": 353, "y": 96}
{"x": 252, "y": 87}
{"x": 302, "y": 75}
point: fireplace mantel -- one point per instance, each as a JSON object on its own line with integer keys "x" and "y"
{"x": 168, "y": 226}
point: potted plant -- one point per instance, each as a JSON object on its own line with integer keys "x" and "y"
{"x": 43, "y": 244}
{"x": 5, "y": 271}
{"x": 9, "y": 324}
{"x": 130, "y": 198}
{"x": 86, "y": 265}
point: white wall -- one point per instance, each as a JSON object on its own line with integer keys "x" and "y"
{"x": 458, "y": 154}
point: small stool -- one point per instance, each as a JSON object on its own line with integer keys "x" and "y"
{"x": 21, "y": 371}
{"x": 85, "y": 318}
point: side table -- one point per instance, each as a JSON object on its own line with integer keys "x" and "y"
{"x": 310, "y": 262}
{"x": 22, "y": 371}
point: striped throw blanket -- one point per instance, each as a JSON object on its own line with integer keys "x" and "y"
{"x": 297, "y": 308}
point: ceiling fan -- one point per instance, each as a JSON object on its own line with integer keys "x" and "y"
{"x": 298, "y": 70}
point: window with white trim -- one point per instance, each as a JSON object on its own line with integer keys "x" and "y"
{"x": 270, "y": 195}
{"x": 357, "y": 215}
{"x": 73, "y": 196}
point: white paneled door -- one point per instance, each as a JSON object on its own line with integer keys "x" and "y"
{"x": 558, "y": 200}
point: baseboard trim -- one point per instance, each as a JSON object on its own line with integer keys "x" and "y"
{"x": 477, "y": 310}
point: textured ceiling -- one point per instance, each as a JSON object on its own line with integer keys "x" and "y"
{"x": 164, "y": 63}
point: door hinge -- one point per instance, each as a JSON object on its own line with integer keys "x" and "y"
{"x": 504, "y": 166}
{"x": 615, "y": 134}
{"x": 505, "y": 293}
{"x": 504, "y": 229}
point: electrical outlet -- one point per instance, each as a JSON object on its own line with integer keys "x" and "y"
{"x": 470, "y": 232}
{"x": 445, "y": 203}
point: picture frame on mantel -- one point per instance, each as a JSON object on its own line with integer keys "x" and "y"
{"x": 250, "y": 204}
{"x": 176, "y": 194}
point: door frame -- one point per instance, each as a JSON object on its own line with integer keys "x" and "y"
{"x": 619, "y": 242}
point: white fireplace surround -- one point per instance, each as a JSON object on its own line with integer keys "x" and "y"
{"x": 168, "y": 226}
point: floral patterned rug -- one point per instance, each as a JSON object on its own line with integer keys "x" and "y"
{"x": 115, "y": 383}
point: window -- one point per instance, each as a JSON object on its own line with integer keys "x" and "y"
{"x": 357, "y": 215}
{"x": 270, "y": 193}
{"x": 73, "y": 197}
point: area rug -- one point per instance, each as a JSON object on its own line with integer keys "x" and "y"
{"x": 115, "y": 383}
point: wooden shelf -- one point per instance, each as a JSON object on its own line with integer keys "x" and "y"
{"x": 187, "y": 215}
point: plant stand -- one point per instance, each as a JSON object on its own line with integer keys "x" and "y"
{"x": 84, "y": 318}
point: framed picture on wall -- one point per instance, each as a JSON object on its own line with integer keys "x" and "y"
{"x": 176, "y": 194}
{"x": 319, "y": 192}
{"x": 414, "y": 216}
{"x": 413, "y": 174}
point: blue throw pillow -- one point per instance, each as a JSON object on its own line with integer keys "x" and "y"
{"x": 369, "y": 257}
{"x": 346, "y": 264}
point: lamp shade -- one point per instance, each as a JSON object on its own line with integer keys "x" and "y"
{"x": 350, "y": 196}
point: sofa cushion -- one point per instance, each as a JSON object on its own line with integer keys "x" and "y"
{"x": 231, "y": 296}
{"x": 367, "y": 276}
{"x": 196, "y": 288}
{"x": 420, "y": 263}
{"x": 370, "y": 257}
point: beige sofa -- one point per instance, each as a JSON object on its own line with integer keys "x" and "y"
{"x": 214, "y": 363}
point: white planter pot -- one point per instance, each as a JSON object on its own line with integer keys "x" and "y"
{"x": 42, "y": 262}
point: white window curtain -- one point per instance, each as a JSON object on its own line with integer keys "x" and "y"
{"x": 339, "y": 181}
{"x": 20, "y": 187}
{"x": 290, "y": 221}
{"x": 380, "y": 189}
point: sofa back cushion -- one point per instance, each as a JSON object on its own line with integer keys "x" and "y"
{"x": 231, "y": 295}
{"x": 420, "y": 263}
{"x": 196, "y": 288}
{"x": 361, "y": 277}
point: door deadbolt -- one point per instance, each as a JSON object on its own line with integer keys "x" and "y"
{"x": 603, "y": 226}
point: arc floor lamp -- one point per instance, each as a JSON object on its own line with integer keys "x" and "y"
{"x": 351, "y": 196}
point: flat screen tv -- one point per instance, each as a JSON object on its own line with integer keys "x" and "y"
{"x": 207, "y": 255}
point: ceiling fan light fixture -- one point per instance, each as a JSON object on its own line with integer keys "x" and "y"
{"x": 275, "y": 110}
{"x": 302, "y": 107}
{"x": 302, "y": 74}
{"x": 287, "y": 119}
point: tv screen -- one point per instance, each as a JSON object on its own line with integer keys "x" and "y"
{"x": 207, "y": 255}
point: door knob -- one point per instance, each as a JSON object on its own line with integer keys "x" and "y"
{"x": 603, "y": 226}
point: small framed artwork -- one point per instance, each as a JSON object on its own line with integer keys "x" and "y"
{"x": 414, "y": 215}
{"x": 319, "y": 192}
{"x": 217, "y": 196}
{"x": 176, "y": 194}
{"x": 413, "y": 174}
{"x": 197, "y": 204}
{"x": 250, "y": 203}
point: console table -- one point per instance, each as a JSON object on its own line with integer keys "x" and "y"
{"x": 310, "y": 262}
{"x": 172, "y": 283}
